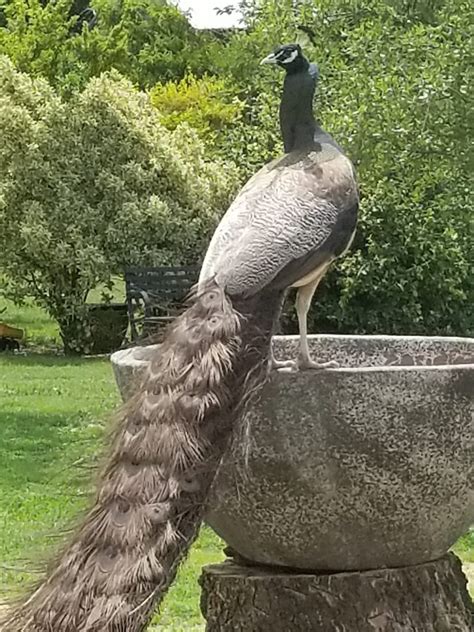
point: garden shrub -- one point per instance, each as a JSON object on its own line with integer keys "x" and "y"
{"x": 90, "y": 184}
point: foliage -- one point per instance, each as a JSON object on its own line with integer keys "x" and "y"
{"x": 35, "y": 37}
{"x": 145, "y": 40}
{"x": 207, "y": 104}
{"x": 396, "y": 83}
{"x": 465, "y": 548}
{"x": 94, "y": 183}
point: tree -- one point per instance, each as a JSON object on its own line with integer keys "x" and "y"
{"x": 145, "y": 40}
{"x": 92, "y": 183}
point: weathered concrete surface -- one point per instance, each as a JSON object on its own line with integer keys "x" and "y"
{"x": 129, "y": 366}
{"x": 361, "y": 467}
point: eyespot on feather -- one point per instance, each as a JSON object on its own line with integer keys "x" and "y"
{"x": 134, "y": 427}
{"x": 121, "y": 512}
{"x": 107, "y": 559}
{"x": 151, "y": 402}
{"x": 188, "y": 405}
{"x": 68, "y": 583}
{"x": 159, "y": 512}
{"x": 194, "y": 334}
{"x": 211, "y": 298}
{"x": 189, "y": 483}
{"x": 133, "y": 468}
{"x": 123, "y": 505}
{"x": 214, "y": 322}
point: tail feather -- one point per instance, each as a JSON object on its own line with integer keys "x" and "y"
{"x": 164, "y": 455}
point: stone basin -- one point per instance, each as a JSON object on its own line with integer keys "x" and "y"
{"x": 367, "y": 466}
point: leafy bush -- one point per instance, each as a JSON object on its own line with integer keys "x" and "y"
{"x": 93, "y": 183}
{"x": 207, "y": 104}
{"x": 145, "y": 40}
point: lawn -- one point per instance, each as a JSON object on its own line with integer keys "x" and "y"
{"x": 40, "y": 330}
{"x": 52, "y": 418}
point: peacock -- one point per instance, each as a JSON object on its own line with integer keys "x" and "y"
{"x": 284, "y": 229}
{"x": 296, "y": 215}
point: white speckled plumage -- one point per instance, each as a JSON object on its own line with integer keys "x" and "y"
{"x": 285, "y": 213}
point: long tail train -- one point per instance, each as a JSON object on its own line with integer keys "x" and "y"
{"x": 167, "y": 446}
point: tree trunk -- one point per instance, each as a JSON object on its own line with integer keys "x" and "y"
{"x": 74, "y": 329}
{"x": 431, "y": 597}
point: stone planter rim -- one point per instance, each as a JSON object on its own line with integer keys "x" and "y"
{"x": 132, "y": 360}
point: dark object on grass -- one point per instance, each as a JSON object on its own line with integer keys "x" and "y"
{"x": 10, "y": 337}
{"x": 9, "y": 344}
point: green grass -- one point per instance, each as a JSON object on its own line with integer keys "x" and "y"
{"x": 52, "y": 419}
{"x": 41, "y": 331}
{"x": 465, "y": 547}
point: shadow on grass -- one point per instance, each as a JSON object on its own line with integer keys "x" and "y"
{"x": 48, "y": 359}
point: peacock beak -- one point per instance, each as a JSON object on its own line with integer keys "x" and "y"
{"x": 270, "y": 59}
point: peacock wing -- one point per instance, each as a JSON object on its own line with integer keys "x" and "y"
{"x": 297, "y": 213}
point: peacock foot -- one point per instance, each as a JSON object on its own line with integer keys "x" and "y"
{"x": 302, "y": 364}
{"x": 279, "y": 365}
{"x": 305, "y": 363}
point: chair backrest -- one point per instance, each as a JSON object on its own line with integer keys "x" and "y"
{"x": 168, "y": 284}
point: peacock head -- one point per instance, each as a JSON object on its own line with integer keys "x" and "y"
{"x": 288, "y": 56}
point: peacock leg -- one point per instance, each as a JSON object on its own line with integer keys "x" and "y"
{"x": 303, "y": 302}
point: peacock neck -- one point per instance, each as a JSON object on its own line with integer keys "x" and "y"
{"x": 297, "y": 122}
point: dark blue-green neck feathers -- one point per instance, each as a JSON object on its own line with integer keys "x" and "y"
{"x": 298, "y": 125}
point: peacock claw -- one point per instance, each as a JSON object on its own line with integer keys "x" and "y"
{"x": 283, "y": 364}
{"x": 311, "y": 365}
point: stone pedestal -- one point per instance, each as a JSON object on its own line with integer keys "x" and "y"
{"x": 429, "y": 597}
